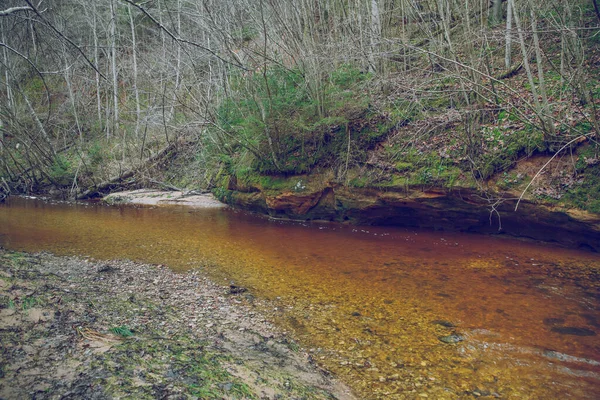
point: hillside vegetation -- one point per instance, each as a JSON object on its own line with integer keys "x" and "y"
{"x": 107, "y": 94}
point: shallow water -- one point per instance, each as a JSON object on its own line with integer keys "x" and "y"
{"x": 377, "y": 306}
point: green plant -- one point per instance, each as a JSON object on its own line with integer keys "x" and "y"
{"x": 96, "y": 154}
{"x": 61, "y": 170}
{"x": 585, "y": 193}
{"x": 29, "y": 302}
{"x": 289, "y": 125}
{"x": 121, "y": 331}
{"x": 509, "y": 180}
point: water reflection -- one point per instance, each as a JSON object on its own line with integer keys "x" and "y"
{"x": 368, "y": 301}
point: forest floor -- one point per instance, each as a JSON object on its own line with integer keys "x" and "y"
{"x": 81, "y": 328}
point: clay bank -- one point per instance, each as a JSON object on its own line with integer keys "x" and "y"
{"x": 457, "y": 209}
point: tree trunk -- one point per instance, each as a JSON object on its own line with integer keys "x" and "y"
{"x": 540, "y": 67}
{"x": 96, "y": 60}
{"x": 177, "y": 65}
{"x": 596, "y": 9}
{"x": 72, "y": 98}
{"x": 507, "y": 54}
{"x": 536, "y": 101}
{"x": 135, "y": 72}
{"x": 375, "y": 37}
{"x": 115, "y": 76}
{"x": 496, "y": 12}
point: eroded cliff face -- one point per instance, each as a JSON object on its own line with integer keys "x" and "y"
{"x": 456, "y": 209}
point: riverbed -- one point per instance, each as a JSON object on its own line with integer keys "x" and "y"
{"x": 395, "y": 313}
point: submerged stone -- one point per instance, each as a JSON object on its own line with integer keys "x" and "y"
{"x": 554, "y": 321}
{"x": 451, "y": 339}
{"x": 573, "y": 330}
{"x": 444, "y": 323}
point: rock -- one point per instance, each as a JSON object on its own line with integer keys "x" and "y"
{"x": 36, "y": 315}
{"x": 573, "y": 330}
{"x": 293, "y": 203}
{"x": 553, "y": 321}
{"x": 7, "y": 312}
{"x": 444, "y": 323}
{"x": 106, "y": 268}
{"x": 451, "y": 339}
{"x": 233, "y": 289}
{"x": 460, "y": 209}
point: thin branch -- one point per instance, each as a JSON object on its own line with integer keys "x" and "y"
{"x": 545, "y": 165}
{"x": 65, "y": 38}
{"x": 34, "y": 67}
{"x": 180, "y": 40}
{"x": 12, "y": 10}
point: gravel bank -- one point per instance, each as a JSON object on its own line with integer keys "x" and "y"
{"x": 81, "y": 328}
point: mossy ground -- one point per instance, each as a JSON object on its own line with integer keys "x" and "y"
{"x": 123, "y": 330}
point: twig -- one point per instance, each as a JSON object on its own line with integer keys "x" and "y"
{"x": 546, "y": 164}
{"x": 180, "y": 40}
{"x": 59, "y": 33}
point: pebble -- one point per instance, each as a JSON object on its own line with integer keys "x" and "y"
{"x": 451, "y": 339}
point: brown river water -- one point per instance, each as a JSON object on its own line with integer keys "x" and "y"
{"x": 395, "y": 313}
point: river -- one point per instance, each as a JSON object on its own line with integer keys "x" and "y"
{"x": 395, "y": 313}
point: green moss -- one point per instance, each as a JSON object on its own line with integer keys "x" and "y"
{"x": 502, "y": 148}
{"x": 62, "y": 171}
{"x": 402, "y": 166}
{"x": 586, "y": 193}
{"x": 273, "y": 183}
{"x": 395, "y": 181}
{"x": 508, "y": 180}
{"x": 185, "y": 362}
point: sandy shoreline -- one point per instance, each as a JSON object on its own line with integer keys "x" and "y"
{"x": 152, "y": 197}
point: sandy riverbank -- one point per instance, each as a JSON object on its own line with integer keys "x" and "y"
{"x": 152, "y": 197}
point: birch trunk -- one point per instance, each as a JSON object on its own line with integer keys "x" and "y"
{"x": 540, "y": 68}
{"x": 496, "y": 15}
{"x": 375, "y": 36}
{"x": 97, "y": 60}
{"x": 135, "y": 73}
{"x": 9, "y": 95}
{"x": 177, "y": 65}
{"x": 113, "y": 50}
{"x": 534, "y": 92}
{"x": 72, "y": 99}
{"x": 508, "y": 33}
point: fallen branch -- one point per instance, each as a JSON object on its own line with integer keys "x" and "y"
{"x": 166, "y": 185}
{"x": 4, "y": 190}
{"x": 184, "y": 192}
{"x": 511, "y": 73}
{"x": 125, "y": 175}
